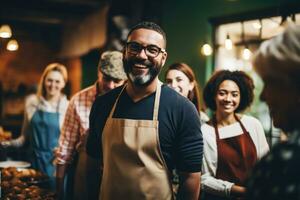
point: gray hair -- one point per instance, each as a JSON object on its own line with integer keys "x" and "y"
{"x": 279, "y": 57}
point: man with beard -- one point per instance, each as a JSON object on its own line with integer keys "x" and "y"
{"x": 144, "y": 130}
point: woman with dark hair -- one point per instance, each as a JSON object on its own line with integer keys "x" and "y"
{"x": 232, "y": 142}
{"x": 181, "y": 78}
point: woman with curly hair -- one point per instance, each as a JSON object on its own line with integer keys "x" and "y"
{"x": 233, "y": 142}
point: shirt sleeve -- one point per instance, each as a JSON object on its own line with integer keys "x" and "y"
{"x": 262, "y": 144}
{"x": 189, "y": 142}
{"x": 208, "y": 181}
{"x": 70, "y": 135}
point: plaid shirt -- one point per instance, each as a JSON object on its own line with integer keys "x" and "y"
{"x": 76, "y": 124}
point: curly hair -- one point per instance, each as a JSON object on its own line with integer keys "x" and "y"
{"x": 243, "y": 81}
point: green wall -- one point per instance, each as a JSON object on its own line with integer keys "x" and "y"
{"x": 89, "y": 68}
{"x": 187, "y": 28}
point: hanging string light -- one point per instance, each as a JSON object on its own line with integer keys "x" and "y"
{"x": 257, "y": 25}
{"x": 206, "y": 50}
{"x": 5, "y": 31}
{"x": 12, "y": 45}
{"x": 228, "y": 42}
{"x": 246, "y": 53}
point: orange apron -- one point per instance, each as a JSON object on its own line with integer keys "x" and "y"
{"x": 133, "y": 166}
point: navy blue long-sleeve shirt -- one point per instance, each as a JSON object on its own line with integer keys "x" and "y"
{"x": 180, "y": 135}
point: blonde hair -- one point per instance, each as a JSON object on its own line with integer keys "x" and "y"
{"x": 49, "y": 68}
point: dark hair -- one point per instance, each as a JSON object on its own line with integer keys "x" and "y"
{"x": 149, "y": 26}
{"x": 194, "y": 95}
{"x": 244, "y": 82}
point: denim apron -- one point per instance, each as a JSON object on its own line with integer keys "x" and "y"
{"x": 45, "y": 131}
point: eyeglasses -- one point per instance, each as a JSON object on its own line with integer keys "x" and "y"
{"x": 150, "y": 50}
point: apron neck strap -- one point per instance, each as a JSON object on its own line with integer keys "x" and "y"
{"x": 214, "y": 121}
{"x": 239, "y": 121}
{"x": 156, "y": 102}
{"x": 115, "y": 104}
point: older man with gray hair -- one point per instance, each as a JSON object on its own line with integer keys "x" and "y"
{"x": 71, "y": 157}
{"x": 277, "y": 61}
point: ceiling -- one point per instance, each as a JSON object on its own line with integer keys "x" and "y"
{"x": 36, "y": 18}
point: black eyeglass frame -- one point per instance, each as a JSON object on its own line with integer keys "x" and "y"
{"x": 141, "y": 47}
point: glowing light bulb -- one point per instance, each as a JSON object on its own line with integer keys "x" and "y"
{"x": 256, "y": 25}
{"x": 246, "y": 53}
{"x": 12, "y": 45}
{"x": 228, "y": 43}
{"x": 206, "y": 50}
{"x": 5, "y": 31}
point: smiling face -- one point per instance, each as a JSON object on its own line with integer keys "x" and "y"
{"x": 179, "y": 82}
{"x": 140, "y": 68}
{"x": 54, "y": 83}
{"x": 227, "y": 97}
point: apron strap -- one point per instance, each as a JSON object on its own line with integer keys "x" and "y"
{"x": 241, "y": 124}
{"x": 214, "y": 122}
{"x": 216, "y": 127}
{"x": 156, "y": 102}
{"x": 115, "y": 104}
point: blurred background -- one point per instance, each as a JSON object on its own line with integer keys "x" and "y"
{"x": 207, "y": 35}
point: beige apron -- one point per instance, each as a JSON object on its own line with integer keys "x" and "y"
{"x": 133, "y": 166}
{"x": 80, "y": 182}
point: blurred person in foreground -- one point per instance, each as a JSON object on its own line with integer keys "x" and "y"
{"x": 142, "y": 131}
{"x": 182, "y": 79}
{"x": 43, "y": 118}
{"x": 233, "y": 141}
{"x": 277, "y": 61}
{"x": 71, "y": 151}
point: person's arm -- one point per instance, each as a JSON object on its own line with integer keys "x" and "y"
{"x": 69, "y": 137}
{"x": 237, "y": 191}
{"x": 18, "y": 142}
{"x": 60, "y": 179}
{"x": 189, "y": 185}
{"x": 261, "y": 143}
{"x": 209, "y": 182}
{"x": 189, "y": 151}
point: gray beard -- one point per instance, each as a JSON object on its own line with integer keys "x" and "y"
{"x": 141, "y": 80}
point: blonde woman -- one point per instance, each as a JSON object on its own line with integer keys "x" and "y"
{"x": 43, "y": 117}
